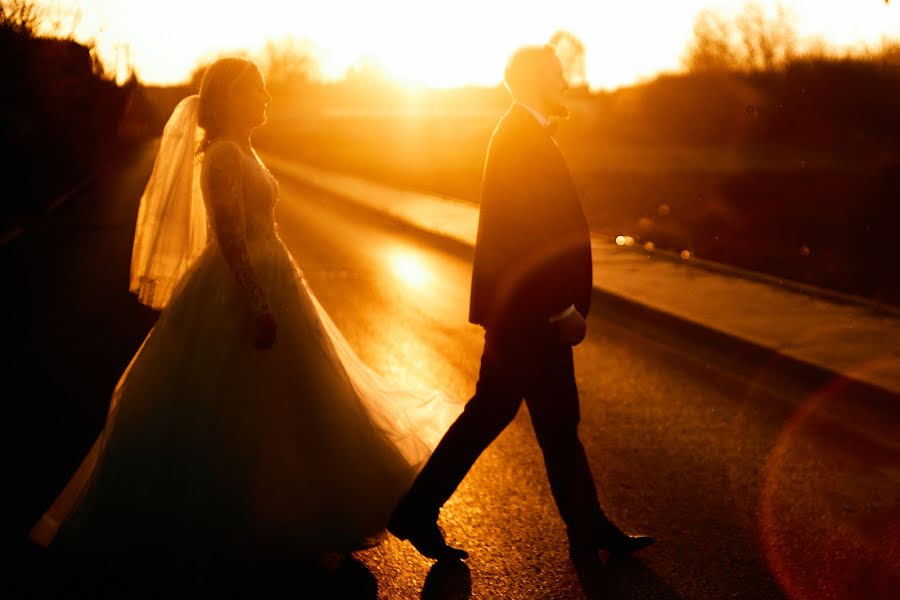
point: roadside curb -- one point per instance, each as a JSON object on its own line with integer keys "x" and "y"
{"x": 795, "y": 286}
{"x": 757, "y": 357}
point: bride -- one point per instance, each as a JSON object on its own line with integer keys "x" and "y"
{"x": 244, "y": 425}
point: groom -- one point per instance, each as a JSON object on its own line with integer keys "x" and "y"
{"x": 531, "y": 290}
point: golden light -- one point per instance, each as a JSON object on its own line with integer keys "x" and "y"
{"x": 431, "y": 42}
{"x": 409, "y": 268}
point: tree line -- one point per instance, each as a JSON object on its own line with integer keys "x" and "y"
{"x": 59, "y": 111}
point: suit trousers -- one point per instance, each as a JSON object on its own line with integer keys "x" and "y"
{"x": 537, "y": 367}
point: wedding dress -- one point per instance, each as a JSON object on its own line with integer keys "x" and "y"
{"x": 212, "y": 447}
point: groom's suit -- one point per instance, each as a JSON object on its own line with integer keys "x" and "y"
{"x": 532, "y": 261}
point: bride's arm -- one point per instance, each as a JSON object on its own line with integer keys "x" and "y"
{"x": 226, "y": 207}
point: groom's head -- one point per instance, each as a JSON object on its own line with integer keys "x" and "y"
{"x": 534, "y": 76}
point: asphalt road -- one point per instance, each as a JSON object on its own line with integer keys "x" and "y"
{"x": 757, "y": 480}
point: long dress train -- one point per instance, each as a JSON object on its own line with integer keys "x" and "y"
{"x": 213, "y": 448}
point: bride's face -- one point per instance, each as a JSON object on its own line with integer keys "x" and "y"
{"x": 249, "y": 98}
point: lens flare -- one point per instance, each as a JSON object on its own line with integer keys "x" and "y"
{"x": 829, "y": 503}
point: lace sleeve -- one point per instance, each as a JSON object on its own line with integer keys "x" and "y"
{"x": 226, "y": 208}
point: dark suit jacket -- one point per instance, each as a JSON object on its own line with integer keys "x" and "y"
{"x": 533, "y": 250}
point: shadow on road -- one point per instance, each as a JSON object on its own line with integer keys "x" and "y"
{"x": 622, "y": 578}
{"x": 354, "y": 580}
{"x": 347, "y": 577}
{"x": 448, "y": 580}
{"x": 39, "y": 573}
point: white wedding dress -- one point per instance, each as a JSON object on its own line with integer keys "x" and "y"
{"x": 213, "y": 448}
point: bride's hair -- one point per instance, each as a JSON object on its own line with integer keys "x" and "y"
{"x": 215, "y": 94}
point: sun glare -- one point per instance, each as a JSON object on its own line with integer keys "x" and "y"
{"x": 408, "y": 268}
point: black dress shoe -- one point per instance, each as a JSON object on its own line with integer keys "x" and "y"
{"x": 625, "y": 544}
{"x": 426, "y": 537}
{"x": 616, "y": 543}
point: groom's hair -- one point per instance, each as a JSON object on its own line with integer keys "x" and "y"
{"x": 522, "y": 66}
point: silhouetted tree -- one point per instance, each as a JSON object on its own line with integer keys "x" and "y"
{"x": 27, "y": 18}
{"x": 768, "y": 44}
{"x": 713, "y": 45}
{"x": 20, "y": 17}
{"x": 571, "y": 54}
{"x": 289, "y": 66}
{"x": 751, "y": 42}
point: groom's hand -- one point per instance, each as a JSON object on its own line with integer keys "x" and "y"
{"x": 265, "y": 331}
{"x": 572, "y": 328}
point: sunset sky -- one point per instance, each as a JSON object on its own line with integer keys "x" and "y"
{"x": 437, "y": 43}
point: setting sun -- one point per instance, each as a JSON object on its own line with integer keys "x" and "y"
{"x": 434, "y": 43}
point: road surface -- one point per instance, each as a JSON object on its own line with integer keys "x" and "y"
{"x": 758, "y": 482}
